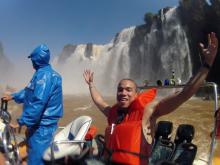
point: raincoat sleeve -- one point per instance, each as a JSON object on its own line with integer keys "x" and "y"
{"x": 37, "y": 98}
{"x": 18, "y": 97}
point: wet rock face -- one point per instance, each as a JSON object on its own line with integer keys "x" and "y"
{"x": 194, "y": 10}
{"x": 200, "y": 18}
{"x": 216, "y": 7}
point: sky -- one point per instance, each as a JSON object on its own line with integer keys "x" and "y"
{"x": 24, "y": 24}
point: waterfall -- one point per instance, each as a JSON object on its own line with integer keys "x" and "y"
{"x": 110, "y": 62}
{"x": 163, "y": 49}
{"x": 133, "y": 53}
{"x": 175, "y": 54}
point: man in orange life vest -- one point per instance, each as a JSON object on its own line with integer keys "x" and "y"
{"x": 132, "y": 120}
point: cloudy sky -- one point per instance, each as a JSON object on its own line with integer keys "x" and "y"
{"x": 27, "y": 23}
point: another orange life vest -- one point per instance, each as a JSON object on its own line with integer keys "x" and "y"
{"x": 124, "y": 139}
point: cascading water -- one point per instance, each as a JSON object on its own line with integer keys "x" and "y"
{"x": 110, "y": 63}
{"x": 133, "y": 53}
{"x": 175, "y": 55}
{"x": 164, "y": 48}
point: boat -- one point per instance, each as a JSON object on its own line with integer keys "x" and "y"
{"x": 67, "y": 143}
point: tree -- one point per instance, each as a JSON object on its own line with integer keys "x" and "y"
{"x": 148, "y": 18}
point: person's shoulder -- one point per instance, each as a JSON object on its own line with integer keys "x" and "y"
{"x": 56, "y": 74}
{"x": 44, "y": 72}
{"x": 49, "y": 73}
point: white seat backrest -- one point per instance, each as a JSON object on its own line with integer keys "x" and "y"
{"x": 80, "y": 126}
{"x": 78, "y": 129}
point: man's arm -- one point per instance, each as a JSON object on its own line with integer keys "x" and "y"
{"x": 170, "y": 103}
{"x": 96, "y": 96}
{"x": 38, "y": 97}
{"x": 18, "y": 97}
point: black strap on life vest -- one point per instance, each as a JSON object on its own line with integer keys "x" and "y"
{"x": 141, "y": 156}
{"x": 100, "y": 138}
{"x": 121, "y": 113}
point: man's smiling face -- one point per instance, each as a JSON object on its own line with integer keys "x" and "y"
{"x": 126, "y": 93}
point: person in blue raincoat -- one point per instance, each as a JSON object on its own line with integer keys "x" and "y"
{"x": 42, "y": 105}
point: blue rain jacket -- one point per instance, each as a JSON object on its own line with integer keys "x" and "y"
{"x": 42, "y": 104}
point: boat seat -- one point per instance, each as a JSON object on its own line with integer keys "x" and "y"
{"x": 184, "y": 154}
{"x": 69, "y": 141}
{"x": 185, "y": 150}
{"x": 163, "y": 147}
{"x": 163, "y": 150}
{"x": 165, "y": 162}
{"x": 184, "y": 134}
{"x": 164, "y": 130}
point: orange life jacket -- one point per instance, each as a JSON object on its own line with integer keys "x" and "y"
{"x": 91, "y": 133}
{"x": 124, "y": 139}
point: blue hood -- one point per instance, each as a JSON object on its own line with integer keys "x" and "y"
{"x": 40, "y": 56}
